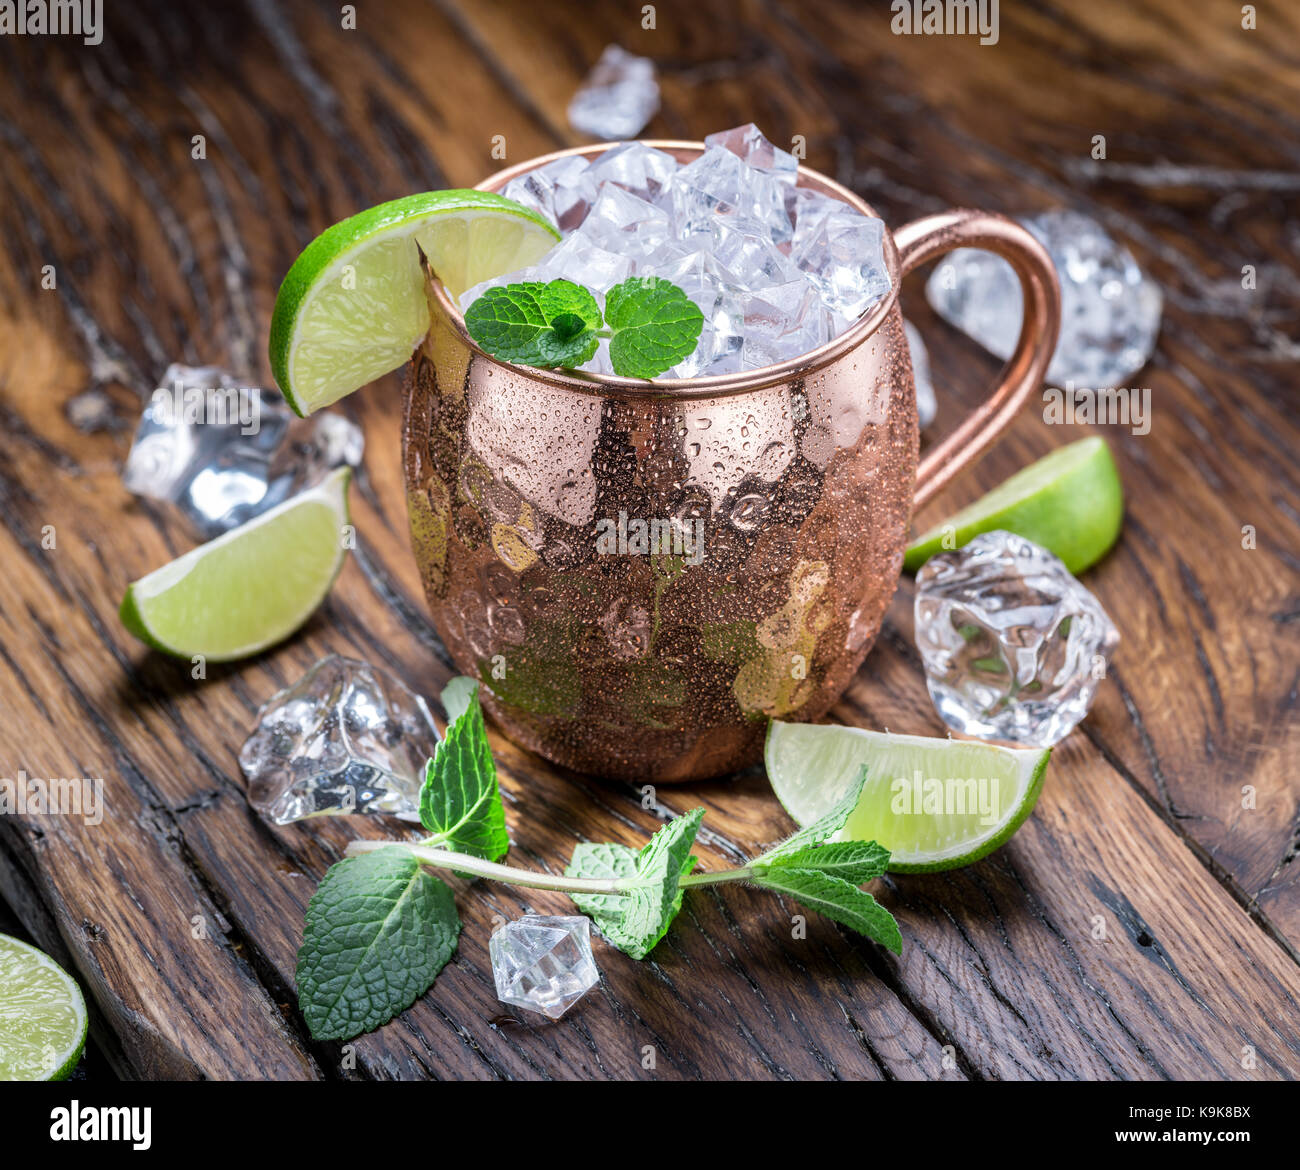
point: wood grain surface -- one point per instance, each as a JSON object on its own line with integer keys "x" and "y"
{"x": 1170, "y": 818}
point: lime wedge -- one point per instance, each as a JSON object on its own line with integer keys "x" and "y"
{"x": 352, "y": 307}
{"x": 249, "y": 588}
{"x": 42, "y": 1015}
{"x": 933, "y": 803}
{"x": 1070, "y": 502}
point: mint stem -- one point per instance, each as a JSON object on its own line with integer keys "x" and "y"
{"x": 467, "y": 863}
{"x": 715, "y": 879}
{"x": 532, "y": 879}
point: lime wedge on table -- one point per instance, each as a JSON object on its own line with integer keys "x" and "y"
{"x": 1070, "y": 502}
{"x": 970, "y": 798}
{"x": 249, "y": 588}
{"x": 352, "y": 307}
{"x": 42, "y": 1015}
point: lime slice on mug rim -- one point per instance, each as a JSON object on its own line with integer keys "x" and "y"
{"x": 352, "y": 307}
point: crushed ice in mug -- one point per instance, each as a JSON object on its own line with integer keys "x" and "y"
{"x": 777, "y": 269}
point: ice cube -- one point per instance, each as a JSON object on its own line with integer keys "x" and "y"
{"x": 750, "y": 145}
{"x": 806, "y": 207}
{"x": 543, "y": 964}
{"x": 842, "y": 252}
{"x": 624, "y": 224}
{"x": 743, "y": 246}
{"x": 346, "y": 737}
{"x": 617, "y": 98}
{"x": 782, "y": 322}
{"x": 1110, "y": 310}
{"x": 584, "y": 262}
{"x": 562, "y": 191}
{"x": 1012, "y": 645}
{"x": 639, "y": 169}
{"x": 225, "y": 452}
{"x": 927, "y": 406}
{"x": 717, "y": 183}
{"x": 720, "y": 298}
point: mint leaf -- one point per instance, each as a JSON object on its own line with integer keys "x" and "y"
{"x": 634, "y": 922}
{"x": 460, "y": 801}
{"x": 602, "y": 859}
{"x": 854, "y": 861}
{"x": 820, "y": 830}
{"x": 654, "y": 325}
{"x": 536, "y": 324}
{"x": 456, "y": 696}
{"x": 378, "y": 931}
{"x": 835, "y": 898}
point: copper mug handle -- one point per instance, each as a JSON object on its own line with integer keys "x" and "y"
{"x": 924, "y": 239}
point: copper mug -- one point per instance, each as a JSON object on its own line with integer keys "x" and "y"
{"x": 775, "y": 506}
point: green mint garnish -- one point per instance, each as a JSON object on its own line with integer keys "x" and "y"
{"x": 536, "y": 324}
{"x": 460, "y": 801}
{"x": 379, "y": 928}
{"x": 378, "y": 931}
{"x": 654, "y": 326}
{"x": 853, "y": 861}
{"x": 637, "y": 921}
{"x": 835, "y": 898}
{"x": 650, "y": 323}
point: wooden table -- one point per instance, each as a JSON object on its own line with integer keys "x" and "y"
{"x": 1143, "y": 924}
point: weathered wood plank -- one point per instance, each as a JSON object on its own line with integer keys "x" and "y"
{"x": 160, "y": 256}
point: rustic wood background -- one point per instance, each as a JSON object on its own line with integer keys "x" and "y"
{"x": 1142, "y": 828}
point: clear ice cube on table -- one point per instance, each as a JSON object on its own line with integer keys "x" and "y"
{"x": 543, "y": 964}
{"x": 717, "y": 183}
{"x": 843, "y": 254}
{"x": 617, "y": 98}
{"x": 640, "y": 170}
{"x": 927, "y": 406}
{"x": 561, "y": 191}
{"x": 1110, "y": 310}
{"x": 346, "y": 737}
{"x": 1012, "y": 645}
{"x": 625, "y": 224}
{"x": 225, "y": 452}
{"x": 750, "y": 145}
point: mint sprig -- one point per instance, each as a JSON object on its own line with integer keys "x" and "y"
{"x": 651, "y": 325}
{"x": 379, "y": 928}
